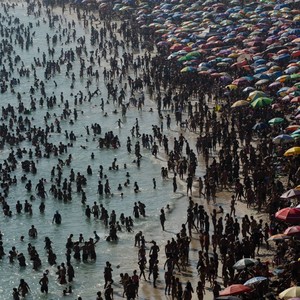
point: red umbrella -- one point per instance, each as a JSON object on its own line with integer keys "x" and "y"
{"x": 289, "y": 215}
{"x": 294, "y": 230}
{"x": 235, "y": 289}
{"x": 240, "y": 81}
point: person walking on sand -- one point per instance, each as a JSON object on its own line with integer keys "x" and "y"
{"x": 189, "y": 184}
{"x": 232, "y": 206}
{"x": 162, "y": 218}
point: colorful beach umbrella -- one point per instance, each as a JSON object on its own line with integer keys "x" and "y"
{"x": 294, "y": 151}
{"x": 256, "y": 94}
{"x": 291, "y": 194}
{"x": 228, "y": 298}
{"x": 282, "y": 139}
{"x": 255, "y": 280}
{"x": 293, "y": 230}
{"x": 240, "y": 103}
{"x": 290, "y": 293}
{"x": 261, "y": 102}
{"x": 235, "y": 289}
{"x": 289, "y": 215}
{"x": 244, "y": 263}
{"x": 276, "y": 121}
{"x": 278, "y": 237}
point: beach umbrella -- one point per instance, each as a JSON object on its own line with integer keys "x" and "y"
{"x": 278, "y": 237}
{"x": 291, "y": 194}
{"x": 244, "y": 263}
{"x": 228, "y": 298}
{"x": 262, "y": 82}
{"x": 289, "y": 215}
{"x": 241, "y": 81}
{"x": 235, "y": 289}
{"x": 292, "y": 151}
{"x": 290, "y": 293}
{"x": 276, "y": 121}
{"x": 282, "y": 139}
{"x": 292, "y": 128}
{"x": 248, "y": 89}
{"x": 255, "y": 280}
{"x": 283, "y": 78}
{"x": 295, "y": 99}
{"x": 188, "y": 70}
{"x": 295, "y": 76}
{"x": 256, "y": 94}
{"x": 240, "y": 103}
{"x": 293, "y": 230}
{"x": 260, "y": 126}
{"x": 275, "y": 85}
{"x": 231, "y": 87}
{"x": 261, "y": 102}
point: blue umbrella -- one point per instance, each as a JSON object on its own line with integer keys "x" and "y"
{"x": 255, "y": 280}
{"x": 260, "y": 126}
{"x": 283, "y": 139}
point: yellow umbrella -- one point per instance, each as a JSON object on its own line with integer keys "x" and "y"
{"x": 290, "y": 293}
{"x": 231, "y": 86}
{"x": 292, "y": 151}
{"x": 256, "y": 94}
{"x": 233, "y": 55}
{"x": 240, "y": 103}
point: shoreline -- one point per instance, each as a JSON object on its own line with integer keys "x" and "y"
{"x": 179, "y": 213}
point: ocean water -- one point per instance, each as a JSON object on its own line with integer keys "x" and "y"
{"x": 88, "y": 276}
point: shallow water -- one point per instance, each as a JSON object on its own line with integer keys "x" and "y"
{"x": 88, "y": 276}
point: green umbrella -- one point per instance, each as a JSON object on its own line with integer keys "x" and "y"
{"x": 295, "y": 135}
{"x": 188, "y": 70}
{"x": 275, "y": 121}
{"x": 194, "y": 54}
{"x": 261, "y": 102}
{"x": 295, "y": 76}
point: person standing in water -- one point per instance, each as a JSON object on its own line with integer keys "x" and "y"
{"x": 57, "y": 218}
{"x": 44, "y": 283}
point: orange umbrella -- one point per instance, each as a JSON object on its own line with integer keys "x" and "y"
{"x": 292, "y": 128}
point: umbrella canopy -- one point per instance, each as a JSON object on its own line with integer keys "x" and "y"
{"x": 256, "y": 94}
{"x": 278, "y": 237}
{"x": 292, "y": 151}
{"x": 275, "y": 121}
{"x": 290, "y": 292}
{"x": 230, "y": 298}
{"x": 282, "y": 139}
{"x": 261, "y": 102}
{"x": 290, "y": 194}
{"x": 260, "y": 126}
{"x": 240, "y": 103}
{"x": 235, "y": 289}
{"x": 293, "y": 230}
{"x": 255, "y": 280}
{"x": 245, "y": 262}
{"x": 289, "y": 215}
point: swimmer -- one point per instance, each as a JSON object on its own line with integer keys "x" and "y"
{"x": 96, "y": 237}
